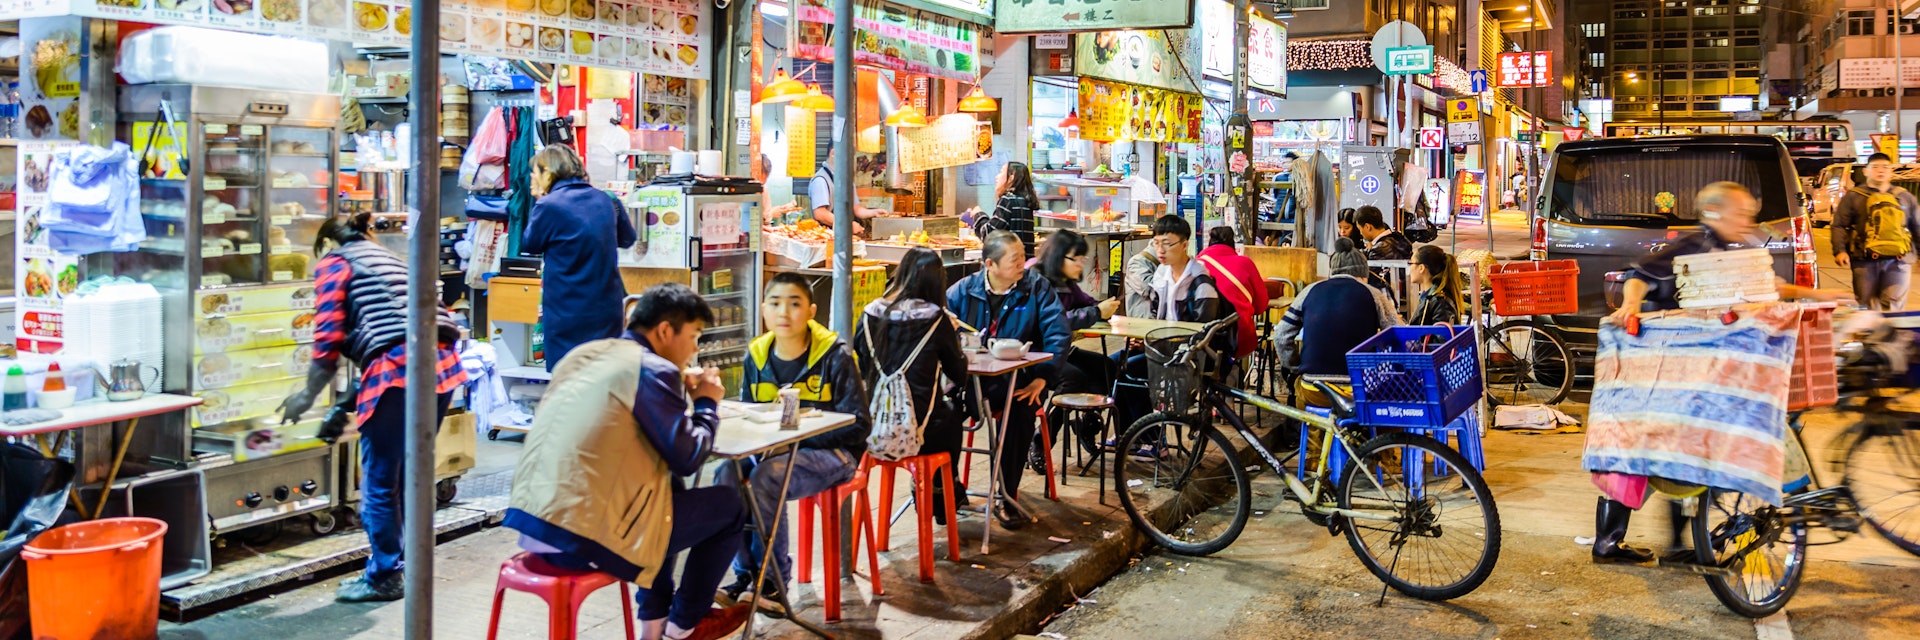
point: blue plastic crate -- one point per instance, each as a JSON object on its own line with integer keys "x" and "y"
{"x": 1415, "y": 376}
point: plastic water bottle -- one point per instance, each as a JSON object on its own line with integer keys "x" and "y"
{"x": 9, "y": 110}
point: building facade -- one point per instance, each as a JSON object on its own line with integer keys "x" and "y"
{"x": 1676, "y": 58}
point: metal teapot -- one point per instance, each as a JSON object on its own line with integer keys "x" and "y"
{"x": 125, "y": 380}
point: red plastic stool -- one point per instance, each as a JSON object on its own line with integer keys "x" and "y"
{"x": 922, "y": 469}
{"x": 562, "y": 589}
{"x": 1046, "y": 441}
{"x": 828, "y": 504}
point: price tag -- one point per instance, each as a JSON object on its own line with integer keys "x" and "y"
{"x": 282, "y": 276}
{"x": 215, "y": 184}
{"x": 212, "y": 251}
{"x": 252, "y": 129}
{"x": 249, "y": 249}
{"x": 217, "y": 129}
{"x": 283, "y": 183}
{"x": 723, "y": 280}
{"x": 282, "y": 220}
{"x": 280, "y": 249}
{"x": 212, "y": 218}
{"x": 64, "y": 90}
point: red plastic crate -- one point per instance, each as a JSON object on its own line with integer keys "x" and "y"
{"x": 1815, "y": 383}
{"x": 1544, "y": 287}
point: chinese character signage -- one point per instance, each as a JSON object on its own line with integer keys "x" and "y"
{"x": 894, "y": 37}
{"x": 1266, "y": 47}
{"x": 1111, "y": 111}
{"x": 661, "y": 37}
{"x": 1031, "y": 16}
{"x": 1526, "y": 69}
{"x": 1470, "y": 191}
{"x": 951, "y": 140}
{"x": 981, "y": 9}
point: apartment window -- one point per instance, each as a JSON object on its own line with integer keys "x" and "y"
{"x": 1709, "y": 75}
{"x": 1711, "y": 42}
{"x": 1593, "y": 30}
{"x": 1674, "y": 44}
{"x": 1749, "y": 10}
{"x": 1625, "y": 46}
{"x": 1625, "y": 15}
{"x": 1596, "y": 59}
{"x": 1710, "y": 11}
{"x": 1860, "y": 23}
{"x": 1746, "y": 42}
{"x": 1308, "y": 4}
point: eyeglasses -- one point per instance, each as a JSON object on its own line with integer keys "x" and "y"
{"x": 1162, "y": 244}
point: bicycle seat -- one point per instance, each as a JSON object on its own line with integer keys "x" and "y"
{"x": 1339, "y": 399}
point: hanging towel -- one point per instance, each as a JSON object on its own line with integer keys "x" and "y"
{"x": 1696, "y": 401}
{"x": 93, "y": 200}
{"x": 523, "y": 144}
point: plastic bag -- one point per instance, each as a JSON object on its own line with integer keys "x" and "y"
{"x": 35, "y": 496}
{"x": 484, "y": 167}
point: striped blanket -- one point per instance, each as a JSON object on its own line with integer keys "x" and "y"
{"x": 1694, "y": 400}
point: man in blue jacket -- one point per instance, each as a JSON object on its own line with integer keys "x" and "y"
{"x": 1006, "y": 301}
{"x": 796, "y": 353}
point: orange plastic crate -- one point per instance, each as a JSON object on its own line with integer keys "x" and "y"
{"x": 1815, "y": 382}
{"x": 1544, "y": 287}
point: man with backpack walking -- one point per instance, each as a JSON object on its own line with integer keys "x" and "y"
{"x": 1873, "y": 230}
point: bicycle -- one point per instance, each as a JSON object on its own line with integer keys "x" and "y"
{"x": 1525, "y": 361}
{"x": 1754, "y": 554}
{"x": 1400, "y": 520}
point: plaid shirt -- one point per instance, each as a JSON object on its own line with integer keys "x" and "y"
{"x": 389, "y": 371}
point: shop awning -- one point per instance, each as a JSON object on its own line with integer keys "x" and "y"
{"x": 660, "y": 37}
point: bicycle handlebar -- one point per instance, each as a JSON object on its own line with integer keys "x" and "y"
{"x": 1206, "y": 335}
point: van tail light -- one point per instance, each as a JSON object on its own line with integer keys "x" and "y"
{"x": 1538, "y": 251}
{"x": 1804, "y": 272}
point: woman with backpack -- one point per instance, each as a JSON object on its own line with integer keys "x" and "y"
{"x": 906, "y": 336}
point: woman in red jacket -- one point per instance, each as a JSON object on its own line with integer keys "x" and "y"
{"x": 1239, "y": 282}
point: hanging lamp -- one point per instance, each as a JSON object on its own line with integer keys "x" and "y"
{"x": 783, "y": 89}
{"x": 1072, "y": 121}
{"x": 907, "y": 117}
{"x": 978, "y": 102}
{"x": 815, "y": 100}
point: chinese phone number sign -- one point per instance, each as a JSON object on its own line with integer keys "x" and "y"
{"x": 1029, "y": 16}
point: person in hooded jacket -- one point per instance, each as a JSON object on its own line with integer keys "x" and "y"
{"x": 578, "y": 230}
{"x": 800, "y": 354}
{"x": 913, "y": 306}
{"x": 1006, "y": 301}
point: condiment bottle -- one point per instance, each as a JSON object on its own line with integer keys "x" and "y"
{"x": 56, "y": 381}
{"x": 15, "y": 390}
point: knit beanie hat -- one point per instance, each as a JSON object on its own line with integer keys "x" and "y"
{"x": 1348, "y": 261}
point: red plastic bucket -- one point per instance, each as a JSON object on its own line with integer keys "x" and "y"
{"x": 98, "y": 579}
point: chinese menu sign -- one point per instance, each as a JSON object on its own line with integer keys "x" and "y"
{"x": 1526, "y": 69}
{"x": 1151, "y": 57}
{"x": 950, "y": 141}
{"x": 1029, "y": 16}
{"x": 43, "y": 278}
{"x": 1112, "y": 111}
{"x": 661, "y": 37}
{"x": 895, "y": 37}
{"x": 1266, "y": 47}
{"x": 1470, "y": 191}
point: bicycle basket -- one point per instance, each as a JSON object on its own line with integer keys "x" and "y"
{"x": 1170, "y": 386}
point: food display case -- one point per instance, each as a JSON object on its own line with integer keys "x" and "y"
{"x": 1091, "y": 205}
{"x": 234, "y": 186}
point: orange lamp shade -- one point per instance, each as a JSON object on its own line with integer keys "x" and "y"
{"x": 815, "y": 100}
{"x": 907, "y": 117}
{"x": 978, "y": 102}
{"x": 782, "y": 89}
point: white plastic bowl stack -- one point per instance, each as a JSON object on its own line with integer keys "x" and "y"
{"x": 1725, "y": 278}
{"x": 118, "y": 321}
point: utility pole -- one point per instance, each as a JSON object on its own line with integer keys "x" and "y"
{"x": 1242, "y": 185}
{"x": 1899, "y": 78}
{"x": 423, "y": 327}
{"x": 845, "y": 109}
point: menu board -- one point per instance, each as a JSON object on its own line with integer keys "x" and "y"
{"x": 665, "y": 100}
{"x": 660, "y": 37}
{"x": 44, "y": 278}
{"x": 1155, "y": 58}
{"x": 895, "y": 37}
{"x": 950, "y": 141}
{"x": 1112, "y": 111}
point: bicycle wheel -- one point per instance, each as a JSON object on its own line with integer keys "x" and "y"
{"x": 1883, "y": 473}
{"x": 1758, "y": 542}
{"x": 1442, "y": 535}
{"x": 1194, "y": 497}
{"x": 1526, "y": 364}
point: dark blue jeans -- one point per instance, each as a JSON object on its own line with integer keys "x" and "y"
{"x": 383, "y": 464}
{"x": 814, "y": 471}
{"x": 707, "y": 523}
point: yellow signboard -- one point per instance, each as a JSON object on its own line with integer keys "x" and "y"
{"x": 1463, "y": 109}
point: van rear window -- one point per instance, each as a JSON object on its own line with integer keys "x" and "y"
{"x": 1652, "y": 187}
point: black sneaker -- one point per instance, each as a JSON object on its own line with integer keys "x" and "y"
{"x": 1010, "y": 517}
{"x": 362, "y": 589}
{"x": 1037, "y": 459}
{"x": 768, "y": 602}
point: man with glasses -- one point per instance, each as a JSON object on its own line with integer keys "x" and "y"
{"x": 1181, "y": 290}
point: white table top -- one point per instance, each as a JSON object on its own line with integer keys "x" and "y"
{"x": 981, "y": 364}
{"x": 739, "y": 437}
{"x": 1136, "y": 327}
{"x": 102, "y": 411}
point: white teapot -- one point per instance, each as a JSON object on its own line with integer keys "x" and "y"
{"x": 1008, "y": 349}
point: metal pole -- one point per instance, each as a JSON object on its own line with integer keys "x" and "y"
{"x": 423, "y": 278}
{"x": 845, "y": 107}
{"x": 1899, "y": 79}
{"x": 1245, "y": 200}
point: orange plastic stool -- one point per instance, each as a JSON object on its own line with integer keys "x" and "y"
{"x": 1046, "y": 441}
{"x": 562, "y": 589}
{"x": 922, "y": 469}
{"x": 828, "y": 504}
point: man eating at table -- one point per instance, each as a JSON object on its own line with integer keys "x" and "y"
{"x": 598, "y": 484}
{"x": 796, "y": 353}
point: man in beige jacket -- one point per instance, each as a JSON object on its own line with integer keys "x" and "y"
{"x": 598, "y": 484}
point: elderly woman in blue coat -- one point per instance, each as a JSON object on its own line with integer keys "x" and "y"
{"x": 579, "y": 230}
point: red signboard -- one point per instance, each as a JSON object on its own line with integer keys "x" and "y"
{"x": 1573, "y": 134}
{"x": 1526, "y": 69}
{"x": 1469, "y": 194}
